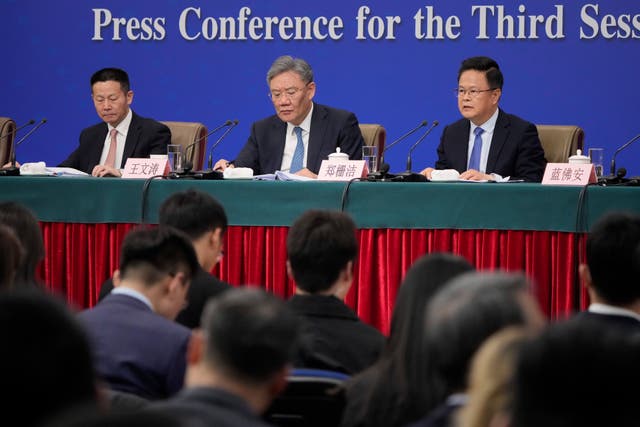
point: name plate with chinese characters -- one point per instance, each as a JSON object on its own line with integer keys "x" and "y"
{"x": 145, "y": 168}
{"x": 342, "y": 170}
{"x": 569, "y": 174}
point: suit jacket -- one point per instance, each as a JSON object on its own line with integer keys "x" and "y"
{"x": 203, "y": 286}
{"x": 618, "y": 322}
{"x": 515, "y": 148}
{"x": 136, "y": 350}
{"x": 330, "y": 128}
{"x": 333, "y": 337}
{"x": 208, "y": 406}
{"x": 145, "y": 137}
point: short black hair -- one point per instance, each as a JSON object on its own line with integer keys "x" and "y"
{"x": 193, "y": 212}
{"x": 46, "y": 363}
{"x": 250, "y": 334}
{"x": 155, "y": 252}
{"x": 611, "y": 247}
{"x": 319, "y": 246}
{"x": 489, "y": 66}
{"x": 12, "y": 255}
{"x": 112, "y": 74}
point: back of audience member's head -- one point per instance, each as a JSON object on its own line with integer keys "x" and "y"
{"x": 149, "y": 254}
{"x": 250, "y": 335}
{"x": 11, "y": 259}
{"x": 46, "y": 366}
{"x": 320, "y": 245}
{"x": 491, "y": 379}
{"x": 462, "y": 316}
{"x": 90, "y": 418}
{"x": 612, "y": 268}
{"x": 26, "y": 227}
{"x": 193, "y": 212}
{"x": 576, "y": 374}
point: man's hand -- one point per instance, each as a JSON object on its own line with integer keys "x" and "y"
{"x": 474, "y": 175}
{"x": 102, "y": 170}
{"x": 306, "y": 172}
{"x": 221, "y": 165}
{"x": 427, "y": 172}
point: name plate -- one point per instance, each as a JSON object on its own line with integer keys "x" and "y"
{"x": 569, "y": 174}
{"x": 342, "y": 170}
{"x": 145, "y": 168}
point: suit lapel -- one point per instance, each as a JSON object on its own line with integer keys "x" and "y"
{"x": 98, "y": 146}
{"x": 459, "y": 160}
{"x": 133, "y": 136}
{"x": 500, "y": 135}
{"x": 316, "y": 136}
{"x": 279, "y": 132}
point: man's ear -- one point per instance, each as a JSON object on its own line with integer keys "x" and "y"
{"x": 279, "y": 381}
{"x": 195, "y": 349}
{"x": 116, "y": 278}
{"x": 290, "y": 270}
{"x": 585, "y": 275}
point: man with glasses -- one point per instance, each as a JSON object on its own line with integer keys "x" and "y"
{"x": 302, "y": 133}
{"x": 488, "y": 144}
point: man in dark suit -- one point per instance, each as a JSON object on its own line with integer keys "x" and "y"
{"x": 137, "y": 346}
{"x": 488, "y": 144}
{"x": 238, "y": 362}
{"x": 204, "y": 221}
{"x": 105, "y": 147}
{"x": 321, "y": 249}
{"x": 612, "y": 270}
{"x": 302, "y": 133}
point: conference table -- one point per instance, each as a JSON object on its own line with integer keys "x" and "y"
{"x": 518, "y": 227}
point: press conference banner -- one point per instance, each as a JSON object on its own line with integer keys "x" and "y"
{"x": 392, "y": 63}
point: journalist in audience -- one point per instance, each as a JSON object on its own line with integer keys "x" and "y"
{"x": 238, "y": 362}
{"x": 389, "y": 393}
{"x": 321, "y": 250}
{"x": 302, "y": 133}
{"x": 137, "y": 346}
{"x": 11, "y": 259}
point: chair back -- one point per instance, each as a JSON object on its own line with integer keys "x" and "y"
{"x": 7, "y": 135}
{"x": 559, "y": 142}
{"x": 374, "y": 134}
{"x": 186, "y": 133}
{"x": 313, "y": 397}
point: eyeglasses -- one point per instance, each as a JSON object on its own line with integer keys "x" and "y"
{"x": 473, "y": 93}
{"x": 288, "y": 93}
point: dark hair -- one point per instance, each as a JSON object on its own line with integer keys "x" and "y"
{"x": 393, "y": 392}
{"x": 459, "y": 319}
{"x": 46, "y": 364}
{"x": 193, "y": 212}
{"x": 151, "y": 253}
{"x": 250, "y": 334}
{"x": 319, "y": 246}
{"x": 611, "y": 245}
{"x": 12, "y": 255}
{"x": 25, "y": 225}
{"x": 112, "y": 74}
{"x": 489, "y": 66}
{"x": 577, "y": 373}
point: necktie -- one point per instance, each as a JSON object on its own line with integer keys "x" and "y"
{"x": 298, "y": 154}
{"x": 111, "y": 156}
{"x": 474, "y": 159}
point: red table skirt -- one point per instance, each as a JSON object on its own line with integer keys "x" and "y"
{"x": 79, "y": 257}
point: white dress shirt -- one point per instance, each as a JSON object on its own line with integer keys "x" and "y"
{"x": 123, "y": 129}
{"x": 292, "y": 140}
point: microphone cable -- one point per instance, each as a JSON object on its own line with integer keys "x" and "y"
{"x": 145, "y": 193}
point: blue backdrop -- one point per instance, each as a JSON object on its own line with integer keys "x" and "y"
{"x": 393, "y": 63}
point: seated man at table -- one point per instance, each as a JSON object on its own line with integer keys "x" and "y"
{"x": 137, "y": 346}
{"x": 204, "y": 221}
{"x": 302, "y": 133}
{"x": 105, "y": 147}
{"x": 488, "y": 143}
{"x": 321, "y": 250}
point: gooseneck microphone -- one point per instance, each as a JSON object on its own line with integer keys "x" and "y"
{"x": 625, "y": 145}
{"x": 413, "y": 147}
{"x": 188, "y": 165}
{"x": 13, "y": 132}
{"x": 215, "y": 144}
{"x": 402, "y": 138}
{"x": 13, "y": 170}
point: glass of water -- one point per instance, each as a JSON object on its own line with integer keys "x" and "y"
{"x": 370, "y": 155}
{"x": 597, "y": 159}
{"x": 174, "y": 155}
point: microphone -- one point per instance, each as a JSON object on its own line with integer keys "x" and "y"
{"x": 384, "y": 167}
{"x": 413, "y": 147}
{"x": 613, "y": 160}
{"x": 13, "y": 170}
{"x": 13, "y": 132}
{"x": 188, "y": 165}
{"x": 215, "y": 144}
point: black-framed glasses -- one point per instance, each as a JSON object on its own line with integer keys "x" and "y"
{"x": 473, "y": 93}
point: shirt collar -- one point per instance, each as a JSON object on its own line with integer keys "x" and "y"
{"x": 610, "y": 309}
{"x": 123, "y": 126}
{"x": 489, "y": 125}
{"x": 123, "y": 290}
{"x": 305, "y": 125}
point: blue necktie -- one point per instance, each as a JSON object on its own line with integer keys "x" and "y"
{"x": 474, "y": 160}
{"x": 298, "y": 155}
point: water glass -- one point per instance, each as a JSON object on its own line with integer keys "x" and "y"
{"x": 174, "y": 155}
{"x": 597, "y": 159}
{"x": 370, "y": 156}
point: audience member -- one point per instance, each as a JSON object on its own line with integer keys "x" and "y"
{"x": 488, "y": 143}
{"x": 321, "y": 250}
{"x": 239, "y": 361}
{"x": 388, "y": 394}
{"x": 137, "y": 346}
{"x": 302, "y": 133}
{"x": 45, "y": 365}
{"x": 25, "y": 225}
{"x": 204, "y": 221}
{"x": 11, "y": 259}
{"x": 104, "y": 148}
{"x": 612, "y": 270}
